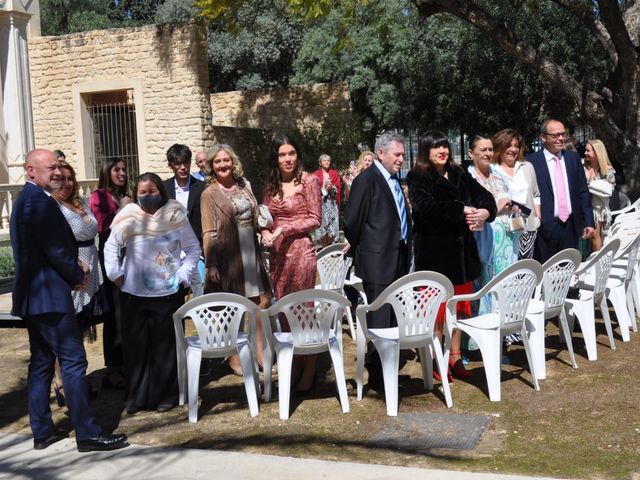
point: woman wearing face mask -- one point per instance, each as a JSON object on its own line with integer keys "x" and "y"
{"x": 104, "y": 202}
{"x": 143, "y": 257}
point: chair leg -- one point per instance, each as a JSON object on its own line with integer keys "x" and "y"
{"x": 490, "y": 344}
{"x": 267, "y": 364}
{"x": 182, "y": 375}
{"x": 285, "y": 361}
{"x": 442, "y": 368}
{"x": 564, "y": 328}
{"x": 529, "y": 345}
{"x": 390, "y": 357}
{"x": 631, "y": 307}
{"x": 194, "y": 357}
{"x": 535, "y": 328}
{"x": 338, "y": 368}
{"x": 604, "y": 308}
{"x": 427, "y": 367}
{"x": 618, "y": 299}
{"x": 584, "y": 312}
{"x": 360, "y": 352}
{"x": 635, "y": 293}
{"x": 352, "y": 330}
{"x": 249, "y": 377}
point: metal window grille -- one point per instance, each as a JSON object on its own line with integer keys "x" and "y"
{"x": 114, "y": 135}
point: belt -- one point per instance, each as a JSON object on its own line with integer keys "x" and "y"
{"x": 85, "y": 243}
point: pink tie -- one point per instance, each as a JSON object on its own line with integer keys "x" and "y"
{"x": 561, "y": 192}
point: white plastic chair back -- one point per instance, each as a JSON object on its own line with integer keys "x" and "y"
{"x": 310, "y": 314}
{"x": 333, "y": 266}
{"x": 557, "y": 276}
{"x": 415, "y": 299}
{"x": 217, "y": 318}
{"x": 603, "y": 261}
{"x": 514, "y": 290}
{"x": 629, "y": 255}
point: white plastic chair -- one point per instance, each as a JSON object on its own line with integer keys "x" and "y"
{"x": 592, "y": 284}
{"x": 314, "y": 317}
{"x": 415, "y": 299}
{"x": 548, "y": 302}
{"x": 513, "y": 289}
{"x": 333, "y": 267}
{"x": 217, "y": 318}
{"x": 620, "y": 288}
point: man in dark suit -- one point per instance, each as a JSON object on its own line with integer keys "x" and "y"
{"x": 565, "y": 201}
{"x": 377, "y": 226}
{"x": 47, "y": 268}
{"x": 183, "y": 186}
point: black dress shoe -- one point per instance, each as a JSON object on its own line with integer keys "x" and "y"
{"x": 55, "y": 436}
{"x": 132, "y": 410}
{"x": 103, "y": 443}
{"x": 165, "y": 407}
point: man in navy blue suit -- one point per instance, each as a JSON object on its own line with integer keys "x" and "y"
{"x": 47, "y": 268}
{"x": 565, "y": 201}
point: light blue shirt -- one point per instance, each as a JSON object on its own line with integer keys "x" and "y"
{"x": 391, "y": 182}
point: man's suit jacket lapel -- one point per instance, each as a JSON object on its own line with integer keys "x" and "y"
{"x": 543, "y": 177}
{"x": 171, "y": 187}
{"x": 384, "y": 186}
{"x": 192, "y": 194}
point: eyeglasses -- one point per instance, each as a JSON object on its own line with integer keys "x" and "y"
{"x": 556, "y": 136}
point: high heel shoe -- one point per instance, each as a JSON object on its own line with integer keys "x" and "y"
{"x": 457, "y": 367}
{"x": 437, "y": 376}
{"x": 58, "y": 390}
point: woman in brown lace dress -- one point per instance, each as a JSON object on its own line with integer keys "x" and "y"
{"x": 295, "y": 202}
{"x": 229, "y": 214}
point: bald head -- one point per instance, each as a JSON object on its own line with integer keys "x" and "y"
{"x": 43, "y": 169}
{"x": 201, "y": 161}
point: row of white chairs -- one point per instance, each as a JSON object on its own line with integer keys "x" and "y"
{"x": 525, "y": 296}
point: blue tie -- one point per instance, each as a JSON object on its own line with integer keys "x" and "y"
{"x": 397, "y": 190}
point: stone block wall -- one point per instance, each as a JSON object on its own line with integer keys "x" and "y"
{"x": 294, "y": 109}
{"x": 168, "y": 62}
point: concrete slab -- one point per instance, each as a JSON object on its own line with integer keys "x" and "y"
{"x": 61, "y": 461}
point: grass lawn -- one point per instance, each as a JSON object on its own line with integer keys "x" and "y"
{"x": 582, "y": 423}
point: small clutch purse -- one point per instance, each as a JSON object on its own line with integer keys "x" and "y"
{"x": 265, "y": 220}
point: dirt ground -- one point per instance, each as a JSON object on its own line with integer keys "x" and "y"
{"x": 582, "y": 423}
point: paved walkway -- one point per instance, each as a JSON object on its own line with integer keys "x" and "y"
{"x": 18, "y": 460}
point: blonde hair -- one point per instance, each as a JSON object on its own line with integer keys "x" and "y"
{"x": 237, "y": 171}
{"x": 601, "y": 155}
{"x": 360, "y": 163}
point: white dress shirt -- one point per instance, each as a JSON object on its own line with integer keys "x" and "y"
{"x": 182, "y": 193}
{"x": 551, "y": 165}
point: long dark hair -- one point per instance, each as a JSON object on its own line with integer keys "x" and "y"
{"x": 158, "y": 183}
{"x": 104, "y": 181}
{"x": 428, "y": 140}
{"x": 274, "y": 181}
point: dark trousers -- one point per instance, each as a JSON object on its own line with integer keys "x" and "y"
{"x": 384, "y": 317}
{"x": 58, "y": 335}
{"x": 150, "y": 361}
{"x": 554, "y": 238}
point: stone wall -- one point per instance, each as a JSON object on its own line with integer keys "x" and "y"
{"x": 293, "y": 109}
{"x": 165, "y": 65}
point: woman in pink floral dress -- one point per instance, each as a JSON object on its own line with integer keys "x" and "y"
{"x": 295, "y": 202}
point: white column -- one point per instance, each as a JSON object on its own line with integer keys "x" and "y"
{"x": 16, "y": 95}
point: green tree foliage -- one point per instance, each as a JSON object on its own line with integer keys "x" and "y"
{"x": 255, "y": 49}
